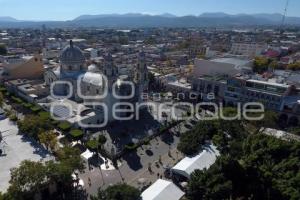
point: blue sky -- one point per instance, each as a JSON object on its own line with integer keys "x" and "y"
{"x": 69, "y": 9}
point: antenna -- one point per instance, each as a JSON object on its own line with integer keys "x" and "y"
{"x": 284, "y": 14}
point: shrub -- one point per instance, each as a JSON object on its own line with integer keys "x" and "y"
{"x": 44, "y": 115}
{"x": 2, "y": 89}
{"x": 147, "y": 141}
{"x": 64, "y": 126}
{"x": 92, "y": 145}
{"x": 13, "y": 117}
{"x": 102, "y": 139}
{"x": 54, "y": 122}
{"x": 17, "y": 100}
{"x": 76, "y": 134}
{"x": 131, "y": 146}
{"x": 27, "y": 105}
{"x": 35, "y": 109}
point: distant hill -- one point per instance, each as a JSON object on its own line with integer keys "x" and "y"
{"x": 7, "y": 19}
{"x": 134, "y": 20}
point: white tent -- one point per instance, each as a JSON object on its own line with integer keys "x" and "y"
{"x": 204, "y": 160}
{"x": 162, "y": 190}
{"x": 87, "y": 154}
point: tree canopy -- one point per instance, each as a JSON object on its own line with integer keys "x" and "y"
{"x": 32, "y": 177}
{"x": 268, "y": 168}
{"x": 3, "y": 49}
{"x": 118, "y": 192}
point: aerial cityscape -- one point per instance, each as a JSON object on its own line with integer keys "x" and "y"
{"x": 150, "y": 100}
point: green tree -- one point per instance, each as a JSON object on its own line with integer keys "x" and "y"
{"x": 274, "y": 64}
{"x": 260, "y": 64}
{"x": 118, "y": 192}
{"x": 3, "y": 50}
{"x": 32, "y": 125}
{"x": 49, "y": 139}
{"x": 264, "y": 168}
{"x": 102, "y": 140}
{"x": 93, "y": 145}
{"x": 1, "y": 99}
{"x": 76, "y": 134}
{"x": 30, "y": 177}
{"x": 269, "y": 120}
{"x": 70, "y": 157}
{"x": 26, "y": 180}
{"x": 294, "y": 66}
{"x": 212, "y": 183}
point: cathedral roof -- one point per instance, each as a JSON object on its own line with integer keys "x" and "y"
{"x": 71, "y": 54}
{"x": 93, "y": 78}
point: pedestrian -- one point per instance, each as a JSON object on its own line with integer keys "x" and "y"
{"x": 89, "y": 182}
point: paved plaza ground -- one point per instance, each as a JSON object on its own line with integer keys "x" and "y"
{"x": 120, "y": 133}
{"x": 16, "y": 149}
{"x": 134, "y": 165}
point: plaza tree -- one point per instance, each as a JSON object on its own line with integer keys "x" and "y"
{"x": 118, "y": 192}
{"x": 93, "y": 145}
{"x": 32, "y": 125}
{"x": 49, "y": 139}
{"x": 70, "y": 158}
{"x": 76, "y": 134}
{"x": 102, "y": 140}
{"x": 33, "y": 178}
{"x": 27, "y": 180}
{"x": 249, "y": 173}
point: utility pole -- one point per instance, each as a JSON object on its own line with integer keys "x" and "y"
{"x": 284, "y": 16}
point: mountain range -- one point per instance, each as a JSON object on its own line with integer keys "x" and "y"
{"x": 138, "y": 20}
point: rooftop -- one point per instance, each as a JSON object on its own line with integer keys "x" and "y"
{"x": 204, "y": 160}
{"x": 162, "y": 190}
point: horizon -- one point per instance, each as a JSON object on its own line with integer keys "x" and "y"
{"x": 34, "y": 10}
{"x": 149, "y": 14}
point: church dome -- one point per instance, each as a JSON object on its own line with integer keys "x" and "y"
{"x": 93, "y": 68}
{"x": 71, "y": 55}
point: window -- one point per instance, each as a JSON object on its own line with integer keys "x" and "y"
{"x": 231, "y": 89}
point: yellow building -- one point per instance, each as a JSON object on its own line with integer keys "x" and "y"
{"x": 22, "y": 67}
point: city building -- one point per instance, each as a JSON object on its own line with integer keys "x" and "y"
{"x": 22, "y": 67}
{"x": 248, "y": 49}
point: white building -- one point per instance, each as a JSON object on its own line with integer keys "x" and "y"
{"x": 248, "y": 49}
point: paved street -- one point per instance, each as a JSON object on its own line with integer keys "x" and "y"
{"x": 16, "y": 149}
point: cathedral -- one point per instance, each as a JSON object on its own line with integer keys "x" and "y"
{"x": 97, "y": 86}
